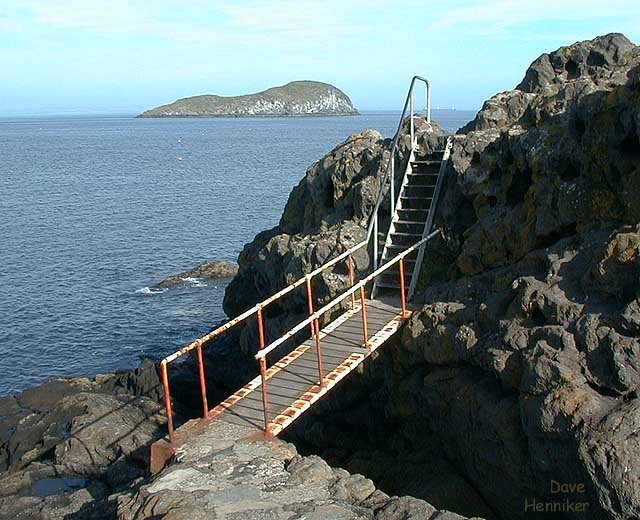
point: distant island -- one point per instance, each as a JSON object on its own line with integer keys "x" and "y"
{"x": 298, "y": 98}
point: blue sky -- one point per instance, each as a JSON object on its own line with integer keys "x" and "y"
{"x": 72, "y": 56}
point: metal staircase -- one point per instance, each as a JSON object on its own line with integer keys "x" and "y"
{"x": 413, "y": 210}
{"x": 413, "y": 218}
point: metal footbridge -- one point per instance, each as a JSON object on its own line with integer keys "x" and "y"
{"x": 356, "y": 323}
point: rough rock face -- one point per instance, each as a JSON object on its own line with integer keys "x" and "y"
{"x": 522, "y": 365}
{"x": 326, "y": 214}
{"x": 228, "y": 476}
{"x": 298, "y": 98}
{"x": 66, "y": 445}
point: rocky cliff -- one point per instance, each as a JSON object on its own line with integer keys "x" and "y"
{"x": 518, "y": 378}
{"x": 298, "y": 98}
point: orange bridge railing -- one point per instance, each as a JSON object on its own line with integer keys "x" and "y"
{"x": 356, "y": 290}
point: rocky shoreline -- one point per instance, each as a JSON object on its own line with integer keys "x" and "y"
{"x": 521, "y": 369}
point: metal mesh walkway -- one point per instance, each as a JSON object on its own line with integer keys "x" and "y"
{"x": 293, "y": 382}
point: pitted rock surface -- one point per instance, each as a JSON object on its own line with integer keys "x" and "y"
{"x": 223, "y": 474}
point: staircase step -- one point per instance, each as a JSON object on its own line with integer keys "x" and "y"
{"x": 425, "y": 167}
{"x": 405, "y": 240}
{"x": 427, "y": 162}
{"x": 400, "y": 226}
{"x": 397, "y": 246}
{"x": 418, "y": 191}
{"x": 410, "y": 202}
{"x": 409, "y": 222}
{"x": 435, "y": 154}
{"x": 402, "y": 234}
{"x": 413, "y": 213}
{"x": 419, "y": 185}
{"x": 388, "y": 285}
{"x": 394, "y": 274}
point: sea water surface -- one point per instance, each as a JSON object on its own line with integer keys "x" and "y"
{"x": 94, "y": 211}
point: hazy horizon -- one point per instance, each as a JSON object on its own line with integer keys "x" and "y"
{"x": 71, "y": 113}
{"x": 80, "y": 58}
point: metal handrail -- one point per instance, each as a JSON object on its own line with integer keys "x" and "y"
{"x": 361, "y": 284}
{"x": 373, "y": 223}
{"x": 255, "y": 310}
{"x": 314, "y": 316}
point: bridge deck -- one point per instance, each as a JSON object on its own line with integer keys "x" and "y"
{"x": 292, "y": 383}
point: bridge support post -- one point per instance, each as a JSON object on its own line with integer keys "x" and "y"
{"x": 315, "y": 330}
{"x": 263, "y": 371}
{"x": 403, "y": 298}
{"x": 365, "y": 328}
{"x": 167, "y": 399}
{"x": 203, "y": 383}
{"x": 351, "y": 281}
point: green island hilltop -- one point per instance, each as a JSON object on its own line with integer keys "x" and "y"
{"x": 297, "y": 98}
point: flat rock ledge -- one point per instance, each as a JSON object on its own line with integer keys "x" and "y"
{"x": 218, "y": 476}
{"x": 211, "y": 270}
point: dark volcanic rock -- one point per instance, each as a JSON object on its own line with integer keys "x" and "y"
{"x": 522, "y": 366}
{"x": 68, "y": 444}
{"x": 211, "y": 270}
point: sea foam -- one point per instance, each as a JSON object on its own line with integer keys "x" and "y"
{"x": 147, "y": 290}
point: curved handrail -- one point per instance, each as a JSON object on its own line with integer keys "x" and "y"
{"x": 407, "y": 103}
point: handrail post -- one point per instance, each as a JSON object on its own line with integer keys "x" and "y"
{"x": 351, "y": 281}
{"x": 428, "y": 107}
{"x": 167, "y": 399}
{"x": 365, "y": 328}
{"x": 393, "y": 187}
{"x": 203, "y": 383}
{"x": 315, "y": 328}
{"x": 411, "y": 116}
{"x": 263, "y": 371}
{"x": 375, "y": 240}
{"x": 402, "y": 295}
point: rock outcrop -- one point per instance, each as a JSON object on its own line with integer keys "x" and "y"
{"x": 522, "y": 365}
{"x": 210, "y": 270}
{"x": 67, "y": 445}
{"x": 79, "y": 449}
{"x": 228, "y": 476}
{"x": 298, "y": 98}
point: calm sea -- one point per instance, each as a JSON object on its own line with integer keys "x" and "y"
{"x": 95, "y": 211}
